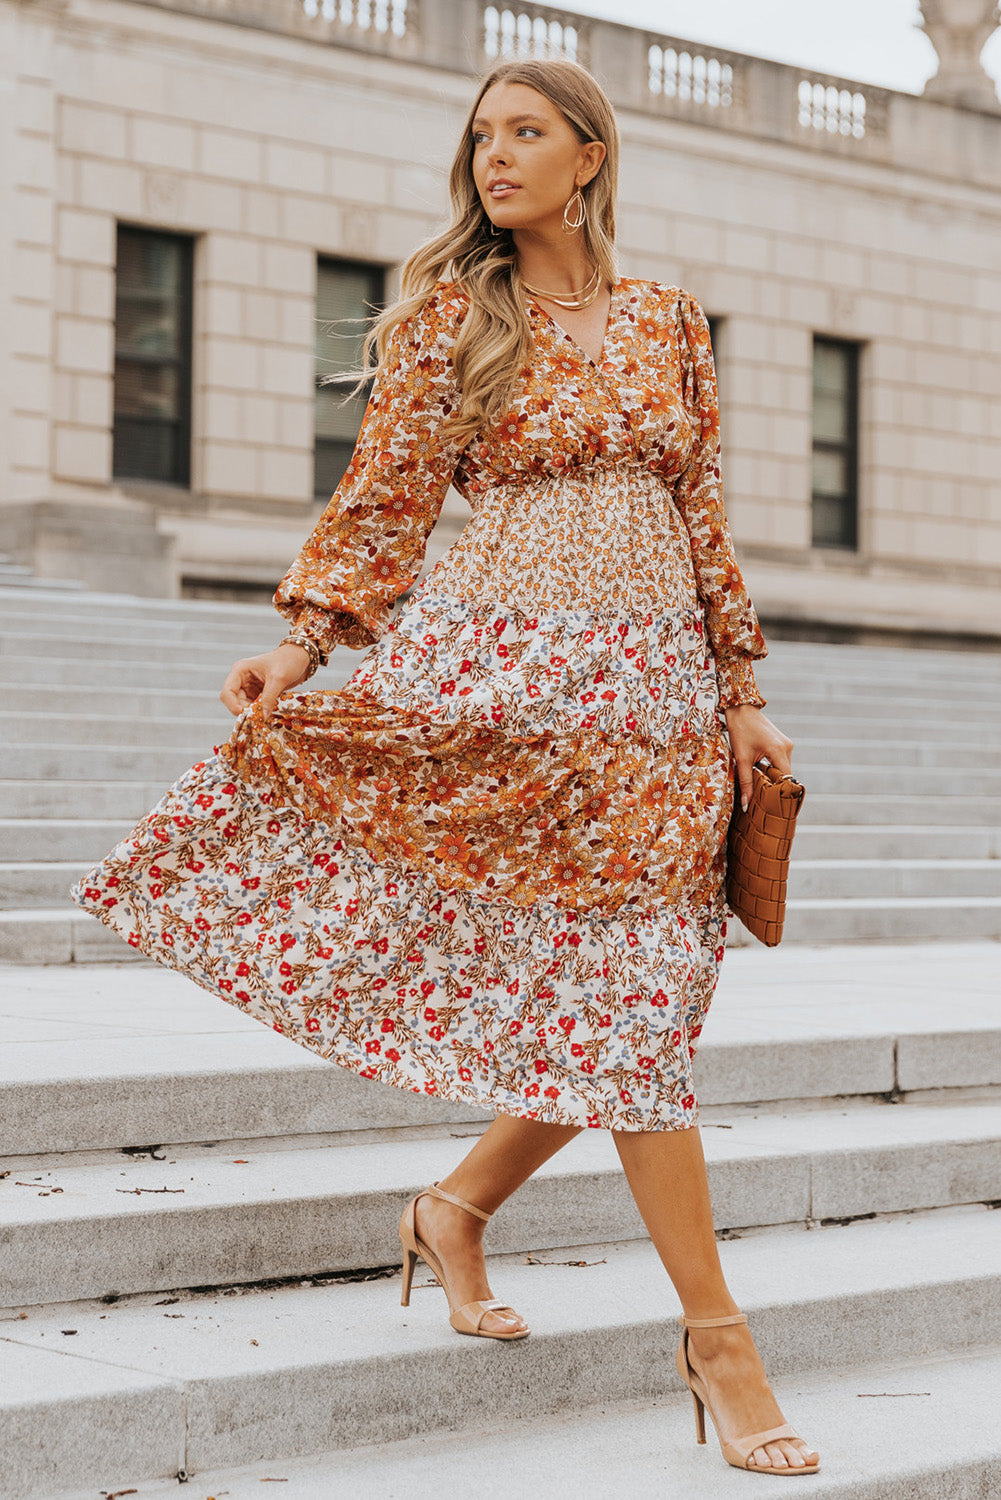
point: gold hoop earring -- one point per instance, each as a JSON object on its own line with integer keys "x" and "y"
{"x": 494, "y": 230}
{"x": 571, "y": 225}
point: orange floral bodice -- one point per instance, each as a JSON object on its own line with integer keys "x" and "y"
{"x": 600, "y": 489}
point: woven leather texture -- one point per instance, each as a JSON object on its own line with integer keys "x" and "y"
{"x": 758, "y": 845}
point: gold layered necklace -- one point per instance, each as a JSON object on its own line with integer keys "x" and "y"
{"x": 571, "y": 300}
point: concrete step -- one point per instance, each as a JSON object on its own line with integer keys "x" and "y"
{"x": 93, "y": 604}
{"x": 838, "y": 777}
{"x": 808, "y": 661}
{"x": 891, "y": 919}
{"x": 852, "y": 670}
{"x": 873, "y": 701}
{"x": 121, "y": 801}
{"x": 823, "y": 809}
{"x": 46, "y": 674}
{"x": 824, "y": 879}
{"x": 80, "y": 731}
{"x": 964, "y": 704}
{"x": 916, "y": 1429}
{"x": 114, "y": 703}
{"x": 181, "y": 629}
{"x": 894, "y": 841}
{"x": 226, "y": 1216}
{"x": 28, "y": 885}
{"x": 308, "y": 1367}
{"x": 37, "y": 839}
{"x": 46, "y": 935}
{"x": 810, "y": 722}
{"x": 115, "y": 1056}
{"x": 943, "y": 755}
{"x": 135, "y": 645}
{"x": 901, "y": 664}
{"x": 110, "y": 762}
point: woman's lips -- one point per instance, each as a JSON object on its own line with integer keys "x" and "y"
{"x": 503, "y": 190}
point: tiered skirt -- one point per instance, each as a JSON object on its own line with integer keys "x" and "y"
{"x": 490, "y": 868}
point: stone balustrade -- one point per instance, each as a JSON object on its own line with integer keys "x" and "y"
{"x": 651, "y": 74}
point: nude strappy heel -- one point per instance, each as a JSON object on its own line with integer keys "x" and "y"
{"x": 466, "y": 1319}
{"x": 739, "y": 1450}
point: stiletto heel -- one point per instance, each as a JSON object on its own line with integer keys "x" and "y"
{"x": 700, "y": 1420}
{"x": 466, "y": 1319}
{"x": 409, "y": 1266}
{"x": 736, "y": 1451}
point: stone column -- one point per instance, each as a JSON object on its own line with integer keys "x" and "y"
{"x": 958, "y": 30}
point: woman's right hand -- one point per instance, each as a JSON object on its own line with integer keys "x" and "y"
{"x": 264, "y": 678}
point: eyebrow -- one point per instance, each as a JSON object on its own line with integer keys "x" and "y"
{"x": 512, "y": 120}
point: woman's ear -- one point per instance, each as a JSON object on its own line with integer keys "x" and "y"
{"x": 591, "y": 157}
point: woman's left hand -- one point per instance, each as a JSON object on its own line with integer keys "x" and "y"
{"x": 753, "y": 737}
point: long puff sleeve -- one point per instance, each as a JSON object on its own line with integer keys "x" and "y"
{"x": 368, "y": 546}
{"x": 731, "y": 621}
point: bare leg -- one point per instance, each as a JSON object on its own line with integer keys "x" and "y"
{"x": 505, "y": 1156}
{"x": 666, "y": 1172}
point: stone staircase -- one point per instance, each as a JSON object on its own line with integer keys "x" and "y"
{"x": 198, "y": 1221}
{"x": 199, "y": 1275}
{"x": 105, "y": 699}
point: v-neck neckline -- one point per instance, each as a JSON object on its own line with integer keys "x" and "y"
{"x": 569, "y": 338}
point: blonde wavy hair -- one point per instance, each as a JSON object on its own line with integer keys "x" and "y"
{"x": 495, "y": 338}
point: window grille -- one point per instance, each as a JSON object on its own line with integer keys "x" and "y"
{"x": 835, "y": 443}
{"x": 348, "y": 293}
{"x": 152, "y": 401}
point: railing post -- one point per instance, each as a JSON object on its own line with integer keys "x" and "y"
{"x": 618, "y": 59}
{"x": 449, "y": 33}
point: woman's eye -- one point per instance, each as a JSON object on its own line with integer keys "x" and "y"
{"x": 479, "y": 136}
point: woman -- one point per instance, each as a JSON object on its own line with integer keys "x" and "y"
{"x": 491, "y": 867}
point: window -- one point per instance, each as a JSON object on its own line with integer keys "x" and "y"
{"x": 347, "y": 294}
{"x": 152, "y": 422}
{"x": 835, "y": 443}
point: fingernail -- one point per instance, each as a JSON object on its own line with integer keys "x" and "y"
{"x": 743, "y": 803}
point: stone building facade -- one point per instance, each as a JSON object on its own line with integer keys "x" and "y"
{"x": 203, "y": 171}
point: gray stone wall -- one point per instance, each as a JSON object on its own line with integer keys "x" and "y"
{"x": 790, "y": 203}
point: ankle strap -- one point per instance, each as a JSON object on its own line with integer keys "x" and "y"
{"x": 437, "y": 1192}
{"x": 711, "y": 1322}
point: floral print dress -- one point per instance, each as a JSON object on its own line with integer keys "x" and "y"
{"x": 491, "y": 867}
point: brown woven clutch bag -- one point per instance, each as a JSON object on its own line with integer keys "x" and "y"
{"x": 758, "y": 847}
